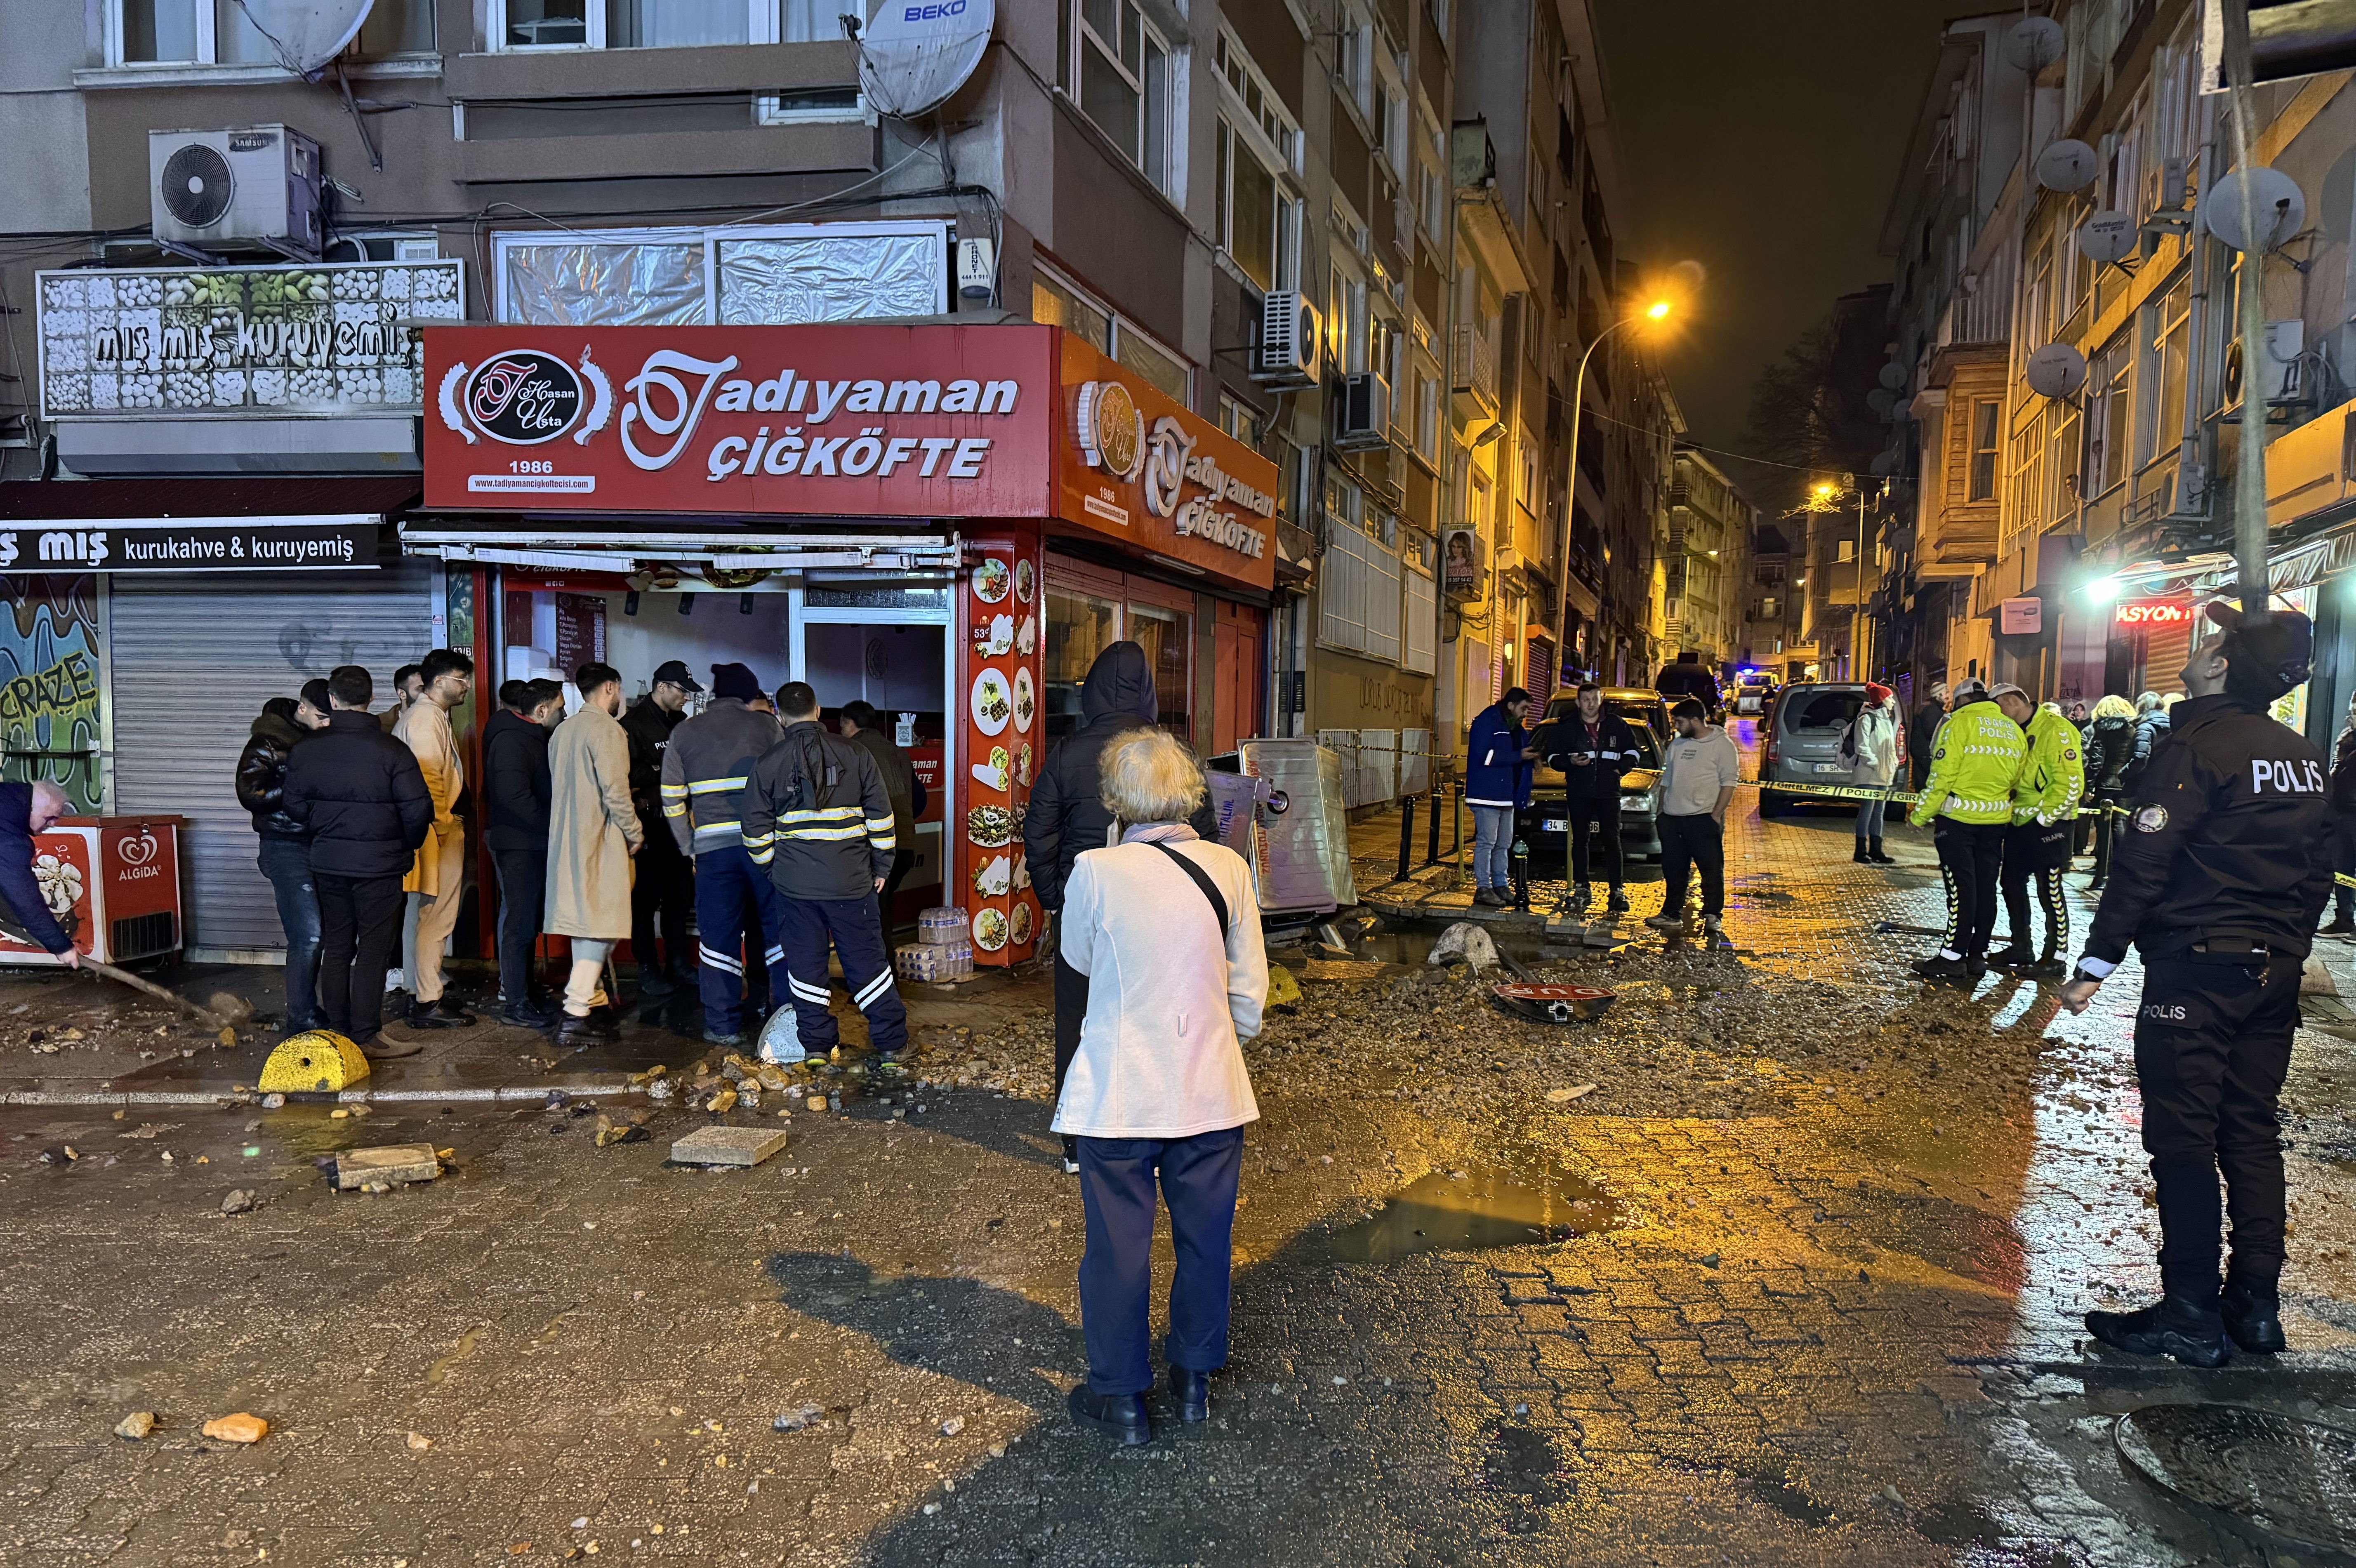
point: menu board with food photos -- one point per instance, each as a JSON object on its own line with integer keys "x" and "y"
{"x": 1000, "y": 626}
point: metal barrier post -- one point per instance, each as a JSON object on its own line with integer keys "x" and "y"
{"x": 1407, "y": 837}
{"x": 1431, "y": 829}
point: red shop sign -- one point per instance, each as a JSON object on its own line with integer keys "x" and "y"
{"x": 1139, "y": 468}
{"x": 2153, "y": 613}
{"x": 840, "y": 420}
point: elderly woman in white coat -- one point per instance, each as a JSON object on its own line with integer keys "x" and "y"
{"x": 1165, "y": 926}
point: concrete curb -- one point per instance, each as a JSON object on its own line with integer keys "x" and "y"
{"x": 128, "y": 1097}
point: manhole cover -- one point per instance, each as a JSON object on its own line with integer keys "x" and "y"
{"x": 2290, "y": 1479}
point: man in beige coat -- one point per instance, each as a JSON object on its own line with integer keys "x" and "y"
{"x": 438, "y": 875}
{"x": 593, "y": 831}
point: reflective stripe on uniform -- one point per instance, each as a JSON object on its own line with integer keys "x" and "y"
{"x": 806, "y": 991}
{"x": 715, "y": 787}
{"x": 849, "y": 830}
{"x": 703, "y": 827}
{"x": 719, "y": 960}
{"x": 874, "y": 988}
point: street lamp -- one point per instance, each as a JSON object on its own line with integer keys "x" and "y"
{"x": 1656, "y": 313}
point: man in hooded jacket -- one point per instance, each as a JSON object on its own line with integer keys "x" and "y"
{"x": 1066, "y": 817}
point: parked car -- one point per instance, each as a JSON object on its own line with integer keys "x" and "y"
{"x": 1754, "y": 693}
{"x": 1800, "y": 743}
{"x": 1545, "y": 827}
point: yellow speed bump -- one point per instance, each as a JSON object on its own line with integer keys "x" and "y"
{"x": 316, "y": 1062}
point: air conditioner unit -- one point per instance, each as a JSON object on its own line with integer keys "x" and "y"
{"x": 1290, "y": 342}
{"x": 256, "y": 186}
{"x": 1362, "y": 414}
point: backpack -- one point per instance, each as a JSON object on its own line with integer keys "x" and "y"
{"x": 1846, "y": 756}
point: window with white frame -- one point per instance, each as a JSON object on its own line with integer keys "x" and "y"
{"x": 1353, "y": 54}
{"x": 1419, "y": 635}
{"x": 1057, "y": 303}
{"x": 1390, "y": 114}
{"x": 1383, "y": 606}
{"x": 1241, "y": 420}
{"x": 1255, "y": 215}
{"x": 222, "y": 32}
{"x": 1431, "y": 178}
{"x": 1346, "y": 336}
{"x": 1342, "y": 570}
{"x": 1122, "y": 69}
{"x": 664, "y": 24}
{"x": 1426, "y": 409}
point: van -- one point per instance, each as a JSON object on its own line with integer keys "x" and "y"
{"x": 1801, "y": 743}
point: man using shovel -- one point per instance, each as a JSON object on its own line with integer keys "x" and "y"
{"x": 26, "y": 810}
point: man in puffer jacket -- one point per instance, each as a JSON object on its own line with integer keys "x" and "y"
{"x": 1498, "y": 768}
{"x": 1974, "y": 764}
{"x": 285, "y": 844}
{"x": 362, "y": 797}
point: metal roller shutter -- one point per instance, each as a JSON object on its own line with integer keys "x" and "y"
{"x": 191, "y": 662}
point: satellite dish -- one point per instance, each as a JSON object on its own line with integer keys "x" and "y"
{"x": 2281, "y": 209}
{"x": 1894, "y": 376}
{"x": 2107, "y": 236}
{"x": 1879, "y": 400}
{"x": 2056, "y": 370}
{"x": 2035, "y": 44}
{"x": 1882, "y": 463}
{"x": 2066, "y": 166}
{"x": 911, "y": 58}
{"x": 304, "y": 35}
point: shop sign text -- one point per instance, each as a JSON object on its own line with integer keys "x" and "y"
{"x": 2153, "y": 613}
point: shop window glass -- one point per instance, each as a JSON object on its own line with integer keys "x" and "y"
{"x": 1166, "y": 635}
{"x": 1079, "y": 627}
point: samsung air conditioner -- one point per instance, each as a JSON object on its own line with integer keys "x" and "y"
{"x": 252, "y": 188}
{"x": 1288, "y": 342}
{"x": 1362, "y": 414}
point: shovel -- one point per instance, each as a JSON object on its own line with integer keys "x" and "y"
{"x": 225, "y": 1027}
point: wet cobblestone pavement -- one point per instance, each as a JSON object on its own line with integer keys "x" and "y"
{"x": 1797, "y": 1281}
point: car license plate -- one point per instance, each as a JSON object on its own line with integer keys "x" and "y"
{"x": 1830, "y": 768}
{"x": 1554, "y": 825}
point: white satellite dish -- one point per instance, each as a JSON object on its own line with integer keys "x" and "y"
{"x": 1893, "y": 376}
{"x": 2281, "y": 208}
{"x": 1880, "y": 401}
{"x": 304, "y": 35}
{"x": 911, "y": 58}
{"x": 2056, "y": 370}
{"x": 2035, "y": 44}
{"x": 2107, "y": 236}
{"x": 2066, "y": 166}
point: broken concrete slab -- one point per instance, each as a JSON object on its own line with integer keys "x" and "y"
{"x": 386, "y": 1165}
{"x": 727, "y": 1146}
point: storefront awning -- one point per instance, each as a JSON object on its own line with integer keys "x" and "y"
{"x": 625, "y": 553}
{"x": 37, "y": 502}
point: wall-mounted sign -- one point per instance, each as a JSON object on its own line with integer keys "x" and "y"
{"x": 2153, "y": 613}
{"x": 277, "y": 342}
{"x": 1459, "y": 563}
{"x": 340, "y": 543}
{"x": 2021, "y": 617}
{"x": 846, "y": 420}
{"x": 1141, "y": 468}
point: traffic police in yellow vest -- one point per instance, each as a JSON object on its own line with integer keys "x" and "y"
{"x": 2218, "y": 881}
{"x": 1970, "y": 797}
{"x": 817, "y": 815}
{"x": 2044, "y": 804}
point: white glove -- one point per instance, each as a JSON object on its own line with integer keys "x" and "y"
{"x": 2045, "y": 819}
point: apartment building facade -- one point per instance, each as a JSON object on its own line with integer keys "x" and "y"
{"x": 1704, "y": 569}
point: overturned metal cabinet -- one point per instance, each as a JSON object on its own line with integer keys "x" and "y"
{"x": 1304, "y": 840}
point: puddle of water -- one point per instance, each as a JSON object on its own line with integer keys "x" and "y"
{"x": 1474, "y": 1210}
{"x": 458, "y": 1352}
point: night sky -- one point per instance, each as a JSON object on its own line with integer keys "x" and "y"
{"x": 1762, "y": 140}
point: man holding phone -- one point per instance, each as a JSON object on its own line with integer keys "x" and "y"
{"x": 1594, "y": 748}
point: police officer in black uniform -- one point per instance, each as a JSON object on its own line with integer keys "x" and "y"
{"x": 2218, "y": 879}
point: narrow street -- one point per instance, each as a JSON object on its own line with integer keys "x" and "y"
{"x": 1797, "y": 1281}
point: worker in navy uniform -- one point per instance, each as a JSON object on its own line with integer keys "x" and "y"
{"x": 819, "y": 818}
{"x": 2218, "y": 879}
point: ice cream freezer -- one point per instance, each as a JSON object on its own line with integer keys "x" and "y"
{"x": 1279, "y": 805}
{"x": 113, "y": 882}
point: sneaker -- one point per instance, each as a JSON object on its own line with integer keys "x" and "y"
{"x": 376, "y": 1048}
{"x": 1666, "y": 922}
{"x": 2171, "y": 1326}
{"x": 1580, "y": 898}
{"x": 731, "y": 1037}
{"x": 1714, "y": 928}
{"x": 396, "y": 980}
{"x": 2343, "y": 926}
{"x": 1618, "y": 902}
{"x": 2046, "y": 968}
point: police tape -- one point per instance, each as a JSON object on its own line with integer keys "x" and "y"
{"x": 1906, "y": 797}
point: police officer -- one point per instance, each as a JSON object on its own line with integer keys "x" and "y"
{"x": 737, "y": 918}
{"x": 2220, "y": 873}
{"x": 2044, "y": 804}
{"x": 1969, "y": 797}
{"x": 818, "y": 815}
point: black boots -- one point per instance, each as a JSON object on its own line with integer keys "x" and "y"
{"x": 1873, "y": 853}
{"x": 2173, "y": 1327}
{"x": 1193, "y": 1392}
{"x": 1861, "y": 858}
{"x": 2252, "y": 1314}
{"x": 1122, "y": 1414}
{"x": 1619, "y": 902}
